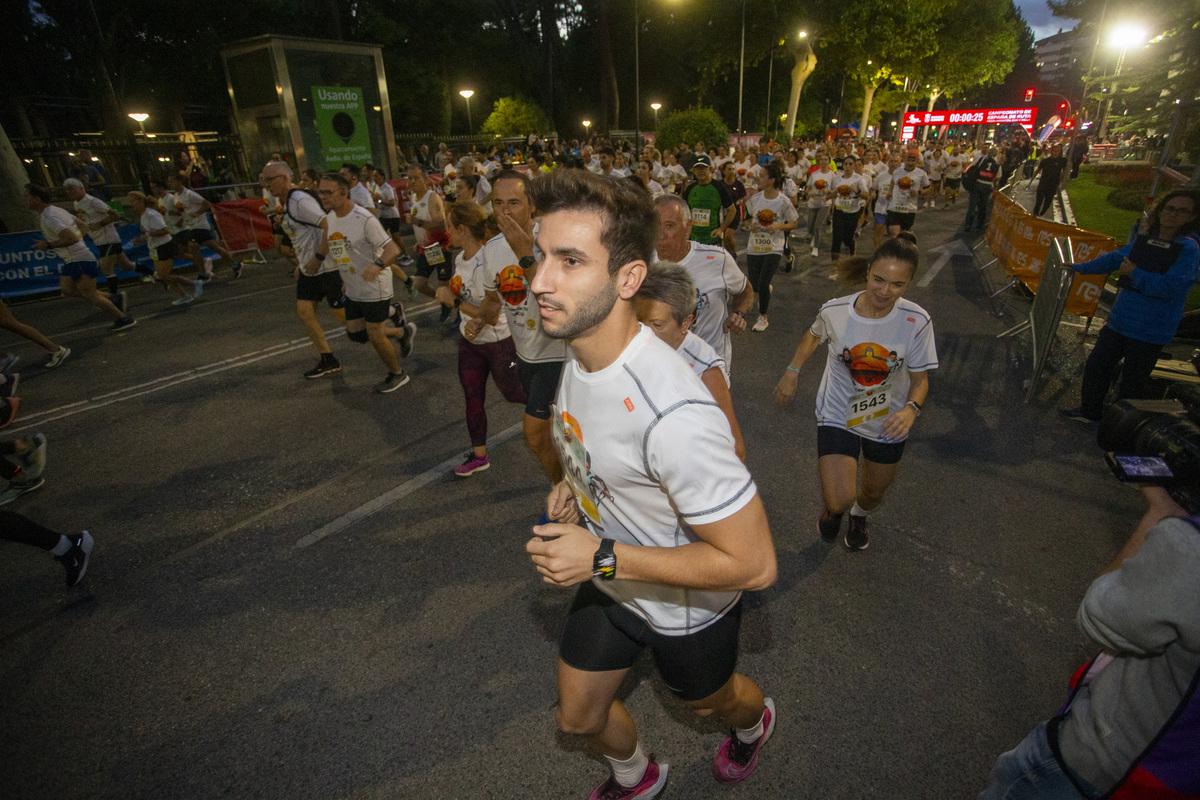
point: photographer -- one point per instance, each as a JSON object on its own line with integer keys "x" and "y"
{"x": 1148, "y": 308}
{"x": 1131, "y": 726}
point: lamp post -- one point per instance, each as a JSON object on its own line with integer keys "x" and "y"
{"x": 143, "y": 174}
{"x": 1121, "y": 36}
{"x": 587, "y": 129}
{"x": 742, "y": 68}
{"x": 656, "y": 107}
{"x": 466, "y": 95}
{"x": 140, "y": 118}
{"x": 637, "y": 83}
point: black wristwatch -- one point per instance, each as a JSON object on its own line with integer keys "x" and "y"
{"x": 525, "y": 262}
{"x": 457, "y": 302}
{"x": 604, "y": 563}
{"x": 379, "y": 263}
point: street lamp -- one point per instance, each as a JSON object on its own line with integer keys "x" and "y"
{"x": 466, "y": 94}
{"x": 656, "y": 107}
{"x": 140, "y": 118}
{"x": 742, "y": 68}
{"x": 587, "y": 128}
{"x": 1120, "y": 36}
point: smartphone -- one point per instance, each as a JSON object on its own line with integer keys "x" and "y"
{"x": 1140, "y": 469}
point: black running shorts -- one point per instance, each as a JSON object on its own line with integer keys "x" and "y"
{"x": 953, "y": 183}
{"x": 602, "y": 635}
{"x": 107, "y": 250}
{"x": 326, "y": 286}
{"x": 445, "y": 270}
{"x": 374, "y": 311}
{"x": 541, "y": 385}
{"x": 904, "y": 220}
{"x": 832, "y": 441}
{"x": 390, "y": 224}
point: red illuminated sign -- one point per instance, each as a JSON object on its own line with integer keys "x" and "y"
{"x": 976, "y": 116}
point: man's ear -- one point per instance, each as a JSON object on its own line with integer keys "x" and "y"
{"x": 629, "y": 279}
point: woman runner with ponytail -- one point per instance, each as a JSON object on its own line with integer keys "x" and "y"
{"x": 876, "y": 379}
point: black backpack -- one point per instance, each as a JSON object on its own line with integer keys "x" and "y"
{"x": 287, "y": 208}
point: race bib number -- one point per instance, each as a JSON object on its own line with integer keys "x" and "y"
{"x": 339, "y": 251}
{"x": 903, "y": 207}
{"x": 867, "y": 405}
{"x": 700, "y": 216}
{"x": 844, "y": 204}
{"x": 434, "y": 254}
{"x": 760, "y": 241}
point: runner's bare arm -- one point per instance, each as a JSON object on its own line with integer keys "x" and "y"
{"x": 786, "y": 388}
{"x": 714, "y": 380}
{"x": 897, "y": 425}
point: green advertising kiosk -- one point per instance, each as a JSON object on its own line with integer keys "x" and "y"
{"x": 322, "y": 102}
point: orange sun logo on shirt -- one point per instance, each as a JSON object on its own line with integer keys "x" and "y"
{"x": 870, "y": 364}
{"x": 456, "y": 285}
{"x": 765, "y": 217}
{"x": 511, "y": 282}
{"x": 905, "y": 183}
{"x": 844, "y": 190}
{"x": 820, "y": 184}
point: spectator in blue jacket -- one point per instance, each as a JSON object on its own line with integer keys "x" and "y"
{"x": 1148, "y": 309}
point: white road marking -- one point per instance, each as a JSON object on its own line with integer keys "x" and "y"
{"x": 158, "y": 384}
{"x": 395, "y": 495}
{"x": 948, "y": 251}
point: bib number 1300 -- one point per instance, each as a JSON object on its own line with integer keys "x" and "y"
{"x": 867, "y": 405}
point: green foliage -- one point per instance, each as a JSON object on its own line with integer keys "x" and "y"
{"x": 515, "y": 116}
{"x": 688, "y": 127}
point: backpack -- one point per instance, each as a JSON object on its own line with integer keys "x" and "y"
{"x": 287, "y": 208}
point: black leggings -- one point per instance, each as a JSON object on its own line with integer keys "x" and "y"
{"x": 1045, "y": 197}
{"x": 844, "y": 225}
{"x": 15, "y": 528}
{"x": 762, "y": 270}
{"x": 1140, "y": 358}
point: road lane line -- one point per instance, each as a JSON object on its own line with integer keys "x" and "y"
{"x": 394, "y": 495}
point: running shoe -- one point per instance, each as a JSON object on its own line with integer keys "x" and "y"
{"x": 33, "y": 461}
{"x": 16, "y": 489}
{"x": 57, "y": 357}
{"x": 11, "y": 381}
{"x": 124, "y": 323}
{"x": 788, "y": 259}
{"x": 472, "y": 465}
{"x": 405, "y": 261}
{"x": 120, "y": 300}
{"x": 829, "y": 525}
{"x": 197, "y": 288}
{"x": 651, "y": 785}
{"x": 325, "y": 365}
{"x": 736, "y": 759}
{"x": 205, "y": 276}
{"x": 816, "y": 252}
{"x": 237, "y": 269}
{"x": 184, "y": 300}
{"x": 760, "y": 324}
{"x": 857, "y": 536}
{"x": 406, "y": 341}
{"x": 392, "y": 382}
{"x": 8, "y": 363}
{"x": 75, "y": 560}
{"x": 8, "y": 411}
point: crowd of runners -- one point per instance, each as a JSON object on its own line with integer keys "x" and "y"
{"x": 601, "y": 292}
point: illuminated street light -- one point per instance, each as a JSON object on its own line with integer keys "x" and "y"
{"x": 656, "y": 107}
{"x": 803, "y": 34}
{"x": 1122, "y": 35}
{"x": 466, "y": 95}
{"x": 587, "y": 127}
{"x": 140, "y": 118}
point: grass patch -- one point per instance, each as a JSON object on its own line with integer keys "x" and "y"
{"x": 1089, "y": 201}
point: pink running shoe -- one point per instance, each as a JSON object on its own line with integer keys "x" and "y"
{"x": 736, "y": 759}
{"x": 472, "y": 465}
{"x": 651, "y": 785}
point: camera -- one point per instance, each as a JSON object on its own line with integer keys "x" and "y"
{"x": 1156, "y": 441}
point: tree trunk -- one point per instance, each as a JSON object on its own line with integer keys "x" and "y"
{"x": 551, "y": 47}
{"x": 609, "y": 92}
{"x": 933, "y": 96}
{"x": 806, "y": 62}
{"x": 868, "y": 97}
{"x": 14, "y": 215}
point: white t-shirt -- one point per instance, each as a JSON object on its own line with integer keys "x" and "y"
{"x": 676, "y": 176}
{"x": 151, "y": 220}
{"x": 172, "y": 212}
{"x": 846, "y": 192}
{"x": 954, "y": 165}
{"x": 388, "y": 192}
{"x": 302, "y": 223}
{"x": 483, "y": 190}
{"x": 355, "y": 241}
{"x": 361, "y": 195}
{"x": 54, "y": 221}
{"x": 648, "y": 453}
{"x": 420, "y": 211}
{"x": 505, "y": 276}
{"x": 906, "y": 188}
{"x": 717, "y": 278}
{"x": 191, "y": 209}
{"x": 95, "y": 213}
{"x": 866, "y": 372}
{"x": 873, "y": 170}
{"x": 935, "y": 166}
{"x": 470, "y": 283}
{"x": 656, "y": 189}
{"x": 700, "y": 356}
{"x": 761, "y": 212}
{"x": 883, "y": 191}
{"x": 820, "y": 182}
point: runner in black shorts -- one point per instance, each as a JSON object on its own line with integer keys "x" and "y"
{"x": 540, "y": 382}
{"x": 880, "y": 349}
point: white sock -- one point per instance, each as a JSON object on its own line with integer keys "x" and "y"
{"x": 631, "y": 770}
{"x": 64, "y": 544}
{"x": 751, "y": 735}
{"x": 857, "y": 510}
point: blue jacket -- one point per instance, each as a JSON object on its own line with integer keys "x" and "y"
{"x": 1152, "y": 312}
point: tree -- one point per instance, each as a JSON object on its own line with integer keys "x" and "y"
{"x": 687, "y": 127}
{"x": 806, "y": 64}
{"x": 515, "y": 116}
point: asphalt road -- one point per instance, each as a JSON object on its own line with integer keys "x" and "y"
{"x": 292, "y": 596}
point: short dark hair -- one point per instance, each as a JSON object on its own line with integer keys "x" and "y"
{"x": 40, "y": 192}
{"x": 629, "y": 222}
{"x": 337, "y": 178}
{"x": 351, "y": 168}
{"x": 512, "y": 175}
{"x": 607, "y": 151}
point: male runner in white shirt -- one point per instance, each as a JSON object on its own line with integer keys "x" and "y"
{"x": 656, "y": 518}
